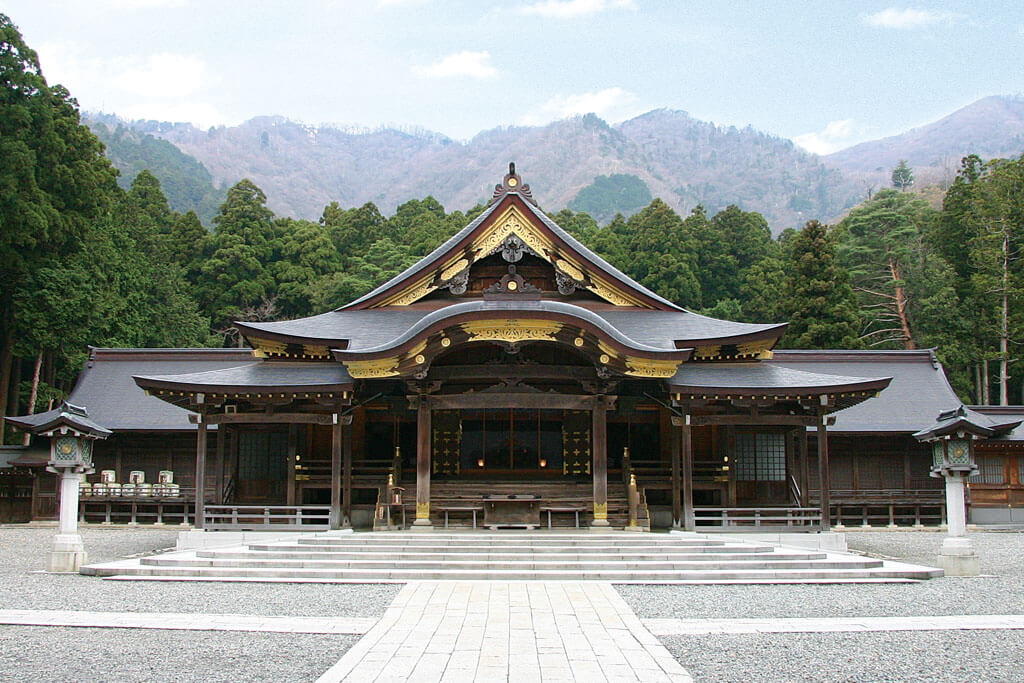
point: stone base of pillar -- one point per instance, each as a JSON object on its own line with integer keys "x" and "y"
{"x": 957, "y": 557}
{"x": 422, "y": 525}
{"x": 601, "y": 523}
{"x": 68, "y": 554}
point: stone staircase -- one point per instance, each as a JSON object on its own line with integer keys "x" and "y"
{"x": 511, "y": 556}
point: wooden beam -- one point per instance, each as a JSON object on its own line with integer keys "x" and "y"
{"x": 767, "y": 420}
{"x": 265, "y": 418}
{"x": 805, "y": 473}
{"x": 538, "y": 401}
{"x": 498, "y": 372}
{"x": 293, "y": 445}
{"x": 219, "y": 471}
{"x": 689, "y": 521}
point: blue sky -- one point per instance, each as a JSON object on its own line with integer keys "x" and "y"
{"x": 826, "y": 74}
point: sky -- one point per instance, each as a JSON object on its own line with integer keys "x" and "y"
{"x": 827, "y": 74}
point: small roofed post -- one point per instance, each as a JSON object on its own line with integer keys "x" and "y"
{"x": 952, "y": 438}
{"x": 71, "y": 434}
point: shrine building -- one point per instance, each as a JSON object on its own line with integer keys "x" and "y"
{"x": 513, "y": 377}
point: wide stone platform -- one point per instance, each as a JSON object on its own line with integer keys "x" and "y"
{"x": 512, "y": 556}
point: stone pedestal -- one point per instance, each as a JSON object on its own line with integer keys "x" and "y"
{"x": 68, "y": 553}
{"x": 957, "y": 557}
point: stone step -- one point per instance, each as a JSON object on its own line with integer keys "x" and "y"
{"x": 613, "y": 564}
{"x": 513, "y": 550}
{"x": 275, "y": 554}
{"x": 371, "y": 575}
{"x": 432, "y": 539}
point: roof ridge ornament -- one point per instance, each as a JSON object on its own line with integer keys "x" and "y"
{"x": 512, "y": 182}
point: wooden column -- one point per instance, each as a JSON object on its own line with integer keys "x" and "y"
{"x": 689, "y": 522}
{"x": 335, "y": 517}
{"x": 346, "y": 472}
{"x": 823, "y": 474}
{"x": 422, "y": 464}
{"x": 804, "y": 476}
{"x": 292, "y": 450}
{"x": 677, "y": 484}
{"x": 599, "y": 451}
{"x": 198, "y": 513}
{"x": 219, "y": 488}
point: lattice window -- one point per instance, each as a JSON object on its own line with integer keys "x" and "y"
{"x": 760, "y": 457}
{"x": 991, "y": 470}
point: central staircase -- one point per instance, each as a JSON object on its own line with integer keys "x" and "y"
{"x": 511, "y": 556}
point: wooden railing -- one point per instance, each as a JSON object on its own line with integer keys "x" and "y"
{"x": 263, "y": 517}
{"x": 138, "y": 509}
{"x": 748, "y": 518}
{"x": 888, "y": 507}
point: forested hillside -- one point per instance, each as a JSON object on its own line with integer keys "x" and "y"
{"x": 684, "y": 161}
{"x": 84, "y": 261}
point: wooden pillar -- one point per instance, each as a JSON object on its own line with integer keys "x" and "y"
{"x": 292, "y": 451}
{"x": 677, "y": 484}
{"x": 219, "y": 488}
{"x": 200, "y": 473}
{"x": 804, "y": 475}
{"x": 422, "y": 464}
{"x": 346, "y": 472}
{"x": 823, "y": 474}
{"x": 599, "y": 450}
{"x": 689, "y": 522}
{"x": 335, "y": 516}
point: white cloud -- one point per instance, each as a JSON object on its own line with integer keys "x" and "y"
{"x": 836, "y": 136}
{"x": 611, "y": 104}
{"x": 570, "y": 9}
{"x": 461, "y": 64}
{"x": 138, "y": 4}
{"x": 162, "y": 75}
{"x": 907, "y": 18}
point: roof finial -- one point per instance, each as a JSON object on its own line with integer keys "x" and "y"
{"x": 512, "y": 183}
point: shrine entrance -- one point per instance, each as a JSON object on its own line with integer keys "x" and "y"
{"x": 511, "y": 443}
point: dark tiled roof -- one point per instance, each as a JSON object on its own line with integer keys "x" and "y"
{"x": 765, "y": 376}
{"x": 565, "y": 237}
{"x": 266, "y": 375}
{"x": 917, "y": 394}
{"x": 1004, "y": 416}
{"x": 370, "y": 328}
{"x": 67, "y": 414}
{"x": 106, "y": 387}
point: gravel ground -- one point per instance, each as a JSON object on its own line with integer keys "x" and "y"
{"x": 35, "y": 653}
{"x": 889, "y": 656}
{"x": 23, "y": 552}
{"x": 999, "y": 591}
{"x": 870, "y": 657}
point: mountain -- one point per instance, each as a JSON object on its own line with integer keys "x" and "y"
{"x": 665, "y": 153}
{"x": 185, "y": 182}
{"x": 990, "y": 127}
{"x": 676, "y": 157}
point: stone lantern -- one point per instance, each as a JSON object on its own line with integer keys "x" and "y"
{"x": 71, "y": 434}
{"x": 952, "y": 438}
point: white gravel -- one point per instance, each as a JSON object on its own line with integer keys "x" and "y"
{"x": 23, "y": 552}
{"x": 878, "y": 656}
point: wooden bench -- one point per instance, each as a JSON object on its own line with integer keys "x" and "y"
{"x": 560, "y": 508}
{"x": 459, "y": 508}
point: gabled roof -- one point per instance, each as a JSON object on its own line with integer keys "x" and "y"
{"x": 917, "y": 393}
{"x": 512, "y": 211}
{"x": 67, "y": 417}
{"x": 267, "y": 376}
{"x": 115, "y": 401}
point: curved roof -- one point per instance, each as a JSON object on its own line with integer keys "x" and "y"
{"x": 370, "y": 328}
{"x": 484, "y": 310}
{"x": 284, "y": 376}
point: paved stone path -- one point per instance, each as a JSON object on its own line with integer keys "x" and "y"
{"x": 497, "y": 631}
{"x": 693, "y": 627}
